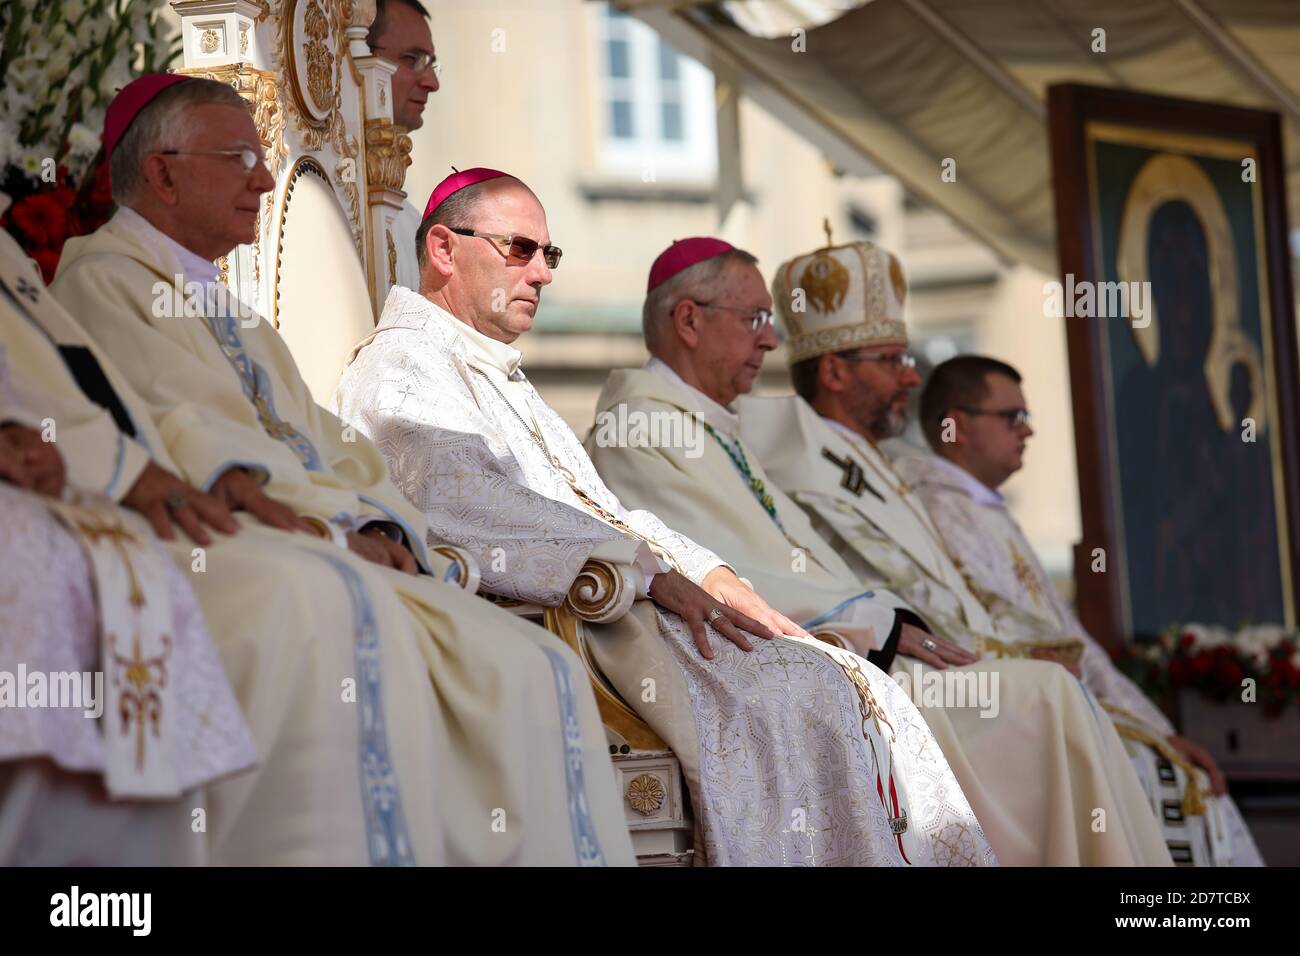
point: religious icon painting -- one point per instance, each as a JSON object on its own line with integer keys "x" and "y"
{"x": 1176, "y": 291}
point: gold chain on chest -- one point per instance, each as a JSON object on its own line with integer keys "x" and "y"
{"x": 590, "y": 503}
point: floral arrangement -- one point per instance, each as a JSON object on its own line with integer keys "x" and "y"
{"x": 1216, "y": 661}
{"x": 62, "y": 62}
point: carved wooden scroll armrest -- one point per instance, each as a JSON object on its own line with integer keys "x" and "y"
{"x": 833, "y": 638}
{"x": 602, "y": 591}
{"x": 614, "y": 712}
{"x": 455, "y": 566}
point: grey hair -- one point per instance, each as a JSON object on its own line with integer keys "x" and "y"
{"x": 691, "y": 283}
{"x": 454, "y": 212}
{"x": 163, "y": 124}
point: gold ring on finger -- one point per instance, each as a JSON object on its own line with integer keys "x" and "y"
{"x": 929, "y": 645}
{"x": 714, "y": 615}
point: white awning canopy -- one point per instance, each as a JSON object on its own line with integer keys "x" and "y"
{"x": 903, "y": 85}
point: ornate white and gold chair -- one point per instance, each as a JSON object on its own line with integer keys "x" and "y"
{"x": 322, "y": 264}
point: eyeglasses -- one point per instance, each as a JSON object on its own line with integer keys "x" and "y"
{"x": 417, "y": 60}
{"x": 1015, "y": 417}
{"x": 520, "y": 247}
{"x": 248, "y": 158}
{"x": 897, "y": 361}
{"x": 758, "y": 318}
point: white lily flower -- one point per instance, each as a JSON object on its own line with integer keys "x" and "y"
{"x": 82, "y": 141}
{"x": 18, "y": 102}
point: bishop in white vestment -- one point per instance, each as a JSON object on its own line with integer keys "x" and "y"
{"x": 1201, "y": 827}
{"x": 400, "y": 720}
{"x": 786, "y": 731}
{"x": 115, "y": 713}
{"x": 1024, "y": 742}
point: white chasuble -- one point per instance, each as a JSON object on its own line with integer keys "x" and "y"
{"x": 106, "y": 667}
{"x": 700, "y": 475}
{"x": 789, "y": 732}
{"x": 398, "y": 719}
{"x": 1037, "y": 756}
{"x": 1003, "y": 566}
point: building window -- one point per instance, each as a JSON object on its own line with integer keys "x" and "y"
{"x": 658, "y": 106}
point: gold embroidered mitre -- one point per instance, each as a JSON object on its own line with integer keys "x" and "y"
{"x": 841, "y": 297}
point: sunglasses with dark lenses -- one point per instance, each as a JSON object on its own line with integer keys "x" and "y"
{"x": 518, "y": 247}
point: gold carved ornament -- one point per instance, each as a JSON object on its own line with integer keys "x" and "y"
{"x": 467, "y": 572}
{"x": 834, "y": 639}
{"x": 320, "y": 60}
{"x": 646, "y": 794}
{"x": 209, "y": 41}
{"x": 388, "y": 153}
{"x": 318, "y": 114}
{"x": 392, "y": 256}
{"x": 598, "y": 592}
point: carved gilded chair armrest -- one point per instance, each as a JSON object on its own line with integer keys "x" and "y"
{"x": 455, "y": 566}
{"x": 603, "y": 591}
{"x": 832, "y": 637}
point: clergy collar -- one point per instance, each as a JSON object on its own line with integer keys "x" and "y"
{"x": 719, "y": 416}
{"x": 980, "y": 492}
{"x": 485, "y": 350}
{"x": 194, "y": 267}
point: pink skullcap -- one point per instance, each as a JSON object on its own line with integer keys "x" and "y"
{"x": 456, "y": 182}
{"x": 130, "y": 100}
{"x": 683, "y": 254}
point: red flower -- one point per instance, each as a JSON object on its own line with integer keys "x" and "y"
{"x": 43, "y": 217}
{"x": 1200, "y": 665}
{"x": 1228, "y": 671}
{"x": 48, "y": 260}
{"x": 101, "y": 191}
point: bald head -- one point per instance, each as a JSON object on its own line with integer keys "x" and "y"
{"x": 475, "y": 278}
